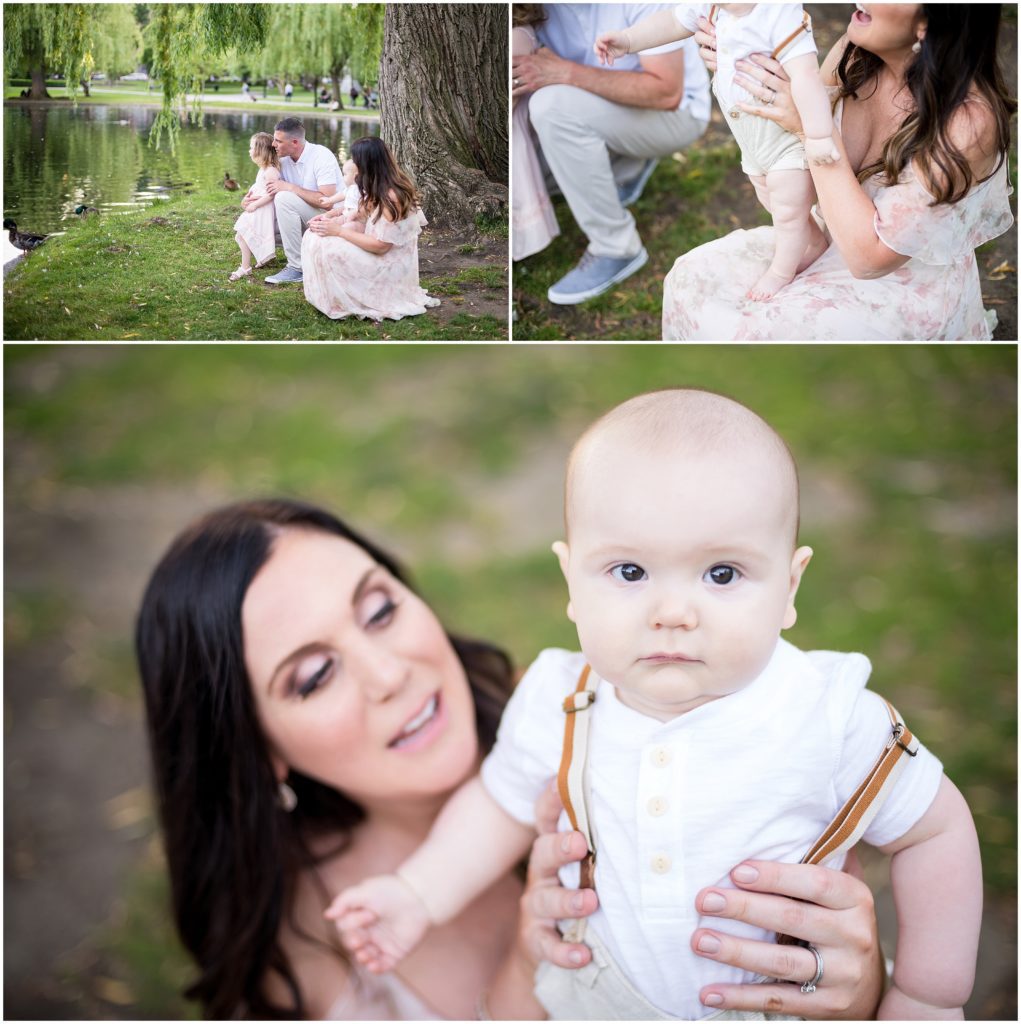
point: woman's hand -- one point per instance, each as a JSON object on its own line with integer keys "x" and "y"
{"x": 767, "y": 81}
{"x": 545, "y": 900}
{"x": 705, "y": 37}
{"x": 324, "y": 225}
{"x": 832, "y": 910}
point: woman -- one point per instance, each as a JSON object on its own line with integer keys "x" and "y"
{"x": 308, "y": 718}
{"x": 372, "y": 273}
{"x": 922, "y": 117}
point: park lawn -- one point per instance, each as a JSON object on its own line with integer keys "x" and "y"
{"x": 689, "y": 200}
{"x": 161, "y": 274}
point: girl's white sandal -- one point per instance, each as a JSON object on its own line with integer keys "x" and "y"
{"x": 240, "y": 273}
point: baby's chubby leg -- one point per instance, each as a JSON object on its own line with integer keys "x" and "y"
{"x": 790, "y": 196}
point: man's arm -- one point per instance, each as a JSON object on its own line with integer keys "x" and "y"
{"x": 658, "y": 86}
{"x": 309, "y": 195}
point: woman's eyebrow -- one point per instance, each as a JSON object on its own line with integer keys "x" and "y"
{"x": 309, "y": 648}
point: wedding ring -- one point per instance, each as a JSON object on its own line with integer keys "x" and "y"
{"x": 809, "y": 986}
{"x": 772, "y": 96}
{"x": 517, "y": 82}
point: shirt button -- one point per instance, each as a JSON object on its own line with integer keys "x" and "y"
{"x": 660, "y": 863}
{"x": 657, "y": 806}
{"x": 735, "y": 114}
{"x": 660, "y": 756}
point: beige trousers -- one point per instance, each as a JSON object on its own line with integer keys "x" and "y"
{"x": 591, "y": 145}
{"x": 293, "y": 213}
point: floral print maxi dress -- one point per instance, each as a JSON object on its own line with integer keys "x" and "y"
{"x": 936, "y": 295}
{"x": 341, "y": 279}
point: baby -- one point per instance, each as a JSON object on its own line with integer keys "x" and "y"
{"x": 699, "y": 737}
{"x": 345, "y": 203}
{"x": 774, "y": 160}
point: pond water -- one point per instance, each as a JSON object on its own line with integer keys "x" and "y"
{"x": 57, "y": 158}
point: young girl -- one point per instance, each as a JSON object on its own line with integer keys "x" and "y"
{"x": 255, "y": 229}
{"x": 535, "y": 223}
{"x": 775, "y": 160}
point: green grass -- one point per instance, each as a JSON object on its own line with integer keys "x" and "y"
{"x": 450, "y": 456}
{"x": 678, "y": 210}
{"x": 162, "y": 274}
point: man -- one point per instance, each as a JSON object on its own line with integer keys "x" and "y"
{"x": 308, "y": 172}
{"x": 601, "y": 130}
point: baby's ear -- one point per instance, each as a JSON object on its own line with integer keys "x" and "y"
{"x": 563, "y": 553}
{"x": 799, "y": 563}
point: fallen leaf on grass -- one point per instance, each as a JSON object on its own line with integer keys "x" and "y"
{"x": 126, "y": 336}
{"x": 66, "y": 310}
{"x": 1000, "y": 273}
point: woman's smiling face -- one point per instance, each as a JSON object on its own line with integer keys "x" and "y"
{"x": 884, "y": 28}
{"x": 355, "y": 681}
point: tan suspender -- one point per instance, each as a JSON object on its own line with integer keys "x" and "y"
{"x": 571, "y": 777}
{"x": 841, "y": 833}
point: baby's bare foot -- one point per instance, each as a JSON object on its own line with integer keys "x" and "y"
{"x": 817, "y": 245}
{"x": 768, "y": 285}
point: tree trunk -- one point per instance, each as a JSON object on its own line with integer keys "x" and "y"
{"x": 444, "y": 105}
{"x": 37, "y": 69}
{"x": 337, "y": 74}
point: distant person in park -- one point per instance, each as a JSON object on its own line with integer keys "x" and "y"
{"x": 288, "y": 92}
{"x": 324, "y": 96}
{"x": 368, "y": 271}
{"x": 245, "y": 88}
{"x": 308, "y": 717}
{"x": 308, "y": 172}
{"x": 922, "y": 124}
{"x": 355, "y": 93}
{"x": 255, "y": 229}
{"x": 602, "y": 130}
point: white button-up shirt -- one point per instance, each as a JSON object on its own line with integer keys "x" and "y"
{"x": 570, "y": 31}
{"x": 316, "y": 166}
{"x": 676, "y": 805}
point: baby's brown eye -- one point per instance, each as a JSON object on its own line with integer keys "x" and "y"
{"x": 722, "y": 574}
{"x": 628, "y": 572}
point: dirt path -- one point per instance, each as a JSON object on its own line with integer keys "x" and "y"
{"x": 446, "y": 253}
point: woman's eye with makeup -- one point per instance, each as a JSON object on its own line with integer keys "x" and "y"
{"x": 306, "y": 684}
{"x": 377, "y": 609}
{"x": 628, "y": 572}
{"x": 722, "y": 575}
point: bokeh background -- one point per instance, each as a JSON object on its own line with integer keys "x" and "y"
{"x": 453, "y": 457}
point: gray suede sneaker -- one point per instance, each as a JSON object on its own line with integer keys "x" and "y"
{"x": 286, "y": 276}
{"x": 631, "y": 191}
{"x": 594, "y": 275}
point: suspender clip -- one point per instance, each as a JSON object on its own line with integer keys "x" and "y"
{"x": 898, "y": 731}
{"x": 580, "y": 700}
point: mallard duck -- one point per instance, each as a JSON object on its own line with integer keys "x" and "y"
{"x": 229, "y": 183}
{"x": 85, "y": 211}
{"x": 22, "y": 239}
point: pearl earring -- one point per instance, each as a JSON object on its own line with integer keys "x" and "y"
{"x": 286, "y": 797}
{"x": 917, "y": 48}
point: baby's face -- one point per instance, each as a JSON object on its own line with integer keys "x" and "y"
{"x": 682, "y": 573}
{"x": 350, "y": 172}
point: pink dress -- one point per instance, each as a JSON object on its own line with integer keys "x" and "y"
{"x": 341, "y": 279}
{"x": 935, "y": 296}
{"x": 258, "y": 227}
{"x": 532, "y": 218}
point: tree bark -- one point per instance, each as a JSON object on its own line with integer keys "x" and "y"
{"x": 37, "y": 69}
{"x": 444, "y": 105}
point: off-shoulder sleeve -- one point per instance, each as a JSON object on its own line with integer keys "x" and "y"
{"x": 941, "y": 235}
{"x": 400, "y": 232}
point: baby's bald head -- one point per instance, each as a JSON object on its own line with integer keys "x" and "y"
{"x": 681, "y": 425}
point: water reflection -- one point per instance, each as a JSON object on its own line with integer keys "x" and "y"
{"x": 57, "y": 158}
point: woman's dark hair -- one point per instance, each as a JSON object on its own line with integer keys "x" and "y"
{"x": 383, "y": 184}
{"x": 233, "y": 854}
{"x": 958, "y": 53}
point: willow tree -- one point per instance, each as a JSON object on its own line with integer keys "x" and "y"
{"x": 186, "y": 42}
{"x": 443, "y": 104}
{"x": 38, "y": 37}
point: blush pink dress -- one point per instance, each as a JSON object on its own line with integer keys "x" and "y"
{"x": 935, "y": 296}
{"x": 258, "y": 227}
{"x": 532, "y": 218}
{"x": 341, "y": 279}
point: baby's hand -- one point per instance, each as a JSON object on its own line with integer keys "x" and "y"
{"x": 380, "y": 921}
{"x": 821, "y": 151}
{"x": 610, "y": 45}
